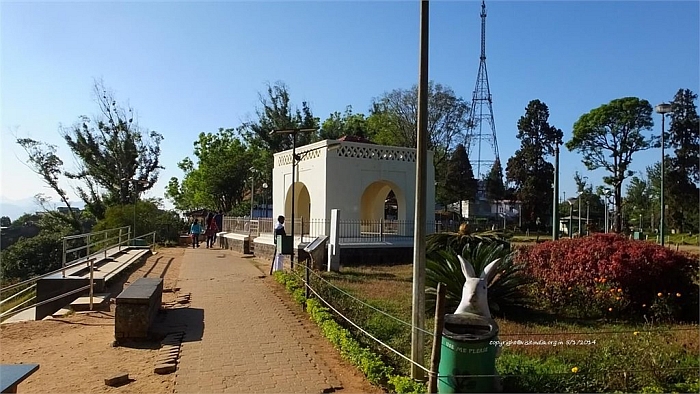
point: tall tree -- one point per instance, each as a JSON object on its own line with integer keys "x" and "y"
{"x": 109, "y": 148}
{"x": 220, "y": 176}
{"x": 684, "y": 169}
{"x": 608, "y": 136}
{"x": 276, "y": 112}
{"x": 684, "y": 134}
{"x": 528, "y": 170}
{"x": 638, "y": 201}
{"x": 459, "y": 184}
{"x": 493, "y": 184}
{"x": 395, "y": 117}
{"x": 44, "y": 161}
{"x": 347, "y": 123}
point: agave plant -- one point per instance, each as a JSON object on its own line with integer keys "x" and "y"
{"x": 506, "y": 289}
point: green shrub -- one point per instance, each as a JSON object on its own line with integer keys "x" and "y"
{"x": 506, "y": 291}
{"x": 371, "y": 365}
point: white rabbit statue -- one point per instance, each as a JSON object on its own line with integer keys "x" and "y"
{"x": 474, "y": 293}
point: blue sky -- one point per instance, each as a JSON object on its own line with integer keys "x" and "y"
{"x": 191, "y": 67}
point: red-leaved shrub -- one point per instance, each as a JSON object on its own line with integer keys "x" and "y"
{"x": 610, "y": 275}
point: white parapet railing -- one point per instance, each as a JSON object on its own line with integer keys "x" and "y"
{"x": 350, "y": 231}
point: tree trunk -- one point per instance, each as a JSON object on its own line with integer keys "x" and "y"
{"x": 618, "y": 202}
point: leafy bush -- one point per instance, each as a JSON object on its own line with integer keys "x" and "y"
{"x": 31, "y": 256}
{"x": 610, "y": 275}
{"x": 506, "y": 290}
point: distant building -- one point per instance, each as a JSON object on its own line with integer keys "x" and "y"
{"x": 483, "y": 208}
{"x": 66, "y": 210}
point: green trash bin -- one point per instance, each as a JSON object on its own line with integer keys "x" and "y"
{"x": 467, "y": 349}
{"x": 284, "y": 244}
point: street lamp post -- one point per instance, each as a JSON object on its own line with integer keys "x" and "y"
{"x": 662, "y": 109}
{"x": 252, "y": 190}
{"x": 555, "y": 195}
{"x": 587, "y": 218}
{"x": 264, "y": 185}
{"x": 294, "y": 133}
{"x": 571, "y": 212}
{"x": 580, "y": 233}
{"x": 606, "y": 192}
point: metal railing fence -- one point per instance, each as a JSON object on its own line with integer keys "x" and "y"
{"x": 93, "y": 244}
{"x": 350, "y": 231}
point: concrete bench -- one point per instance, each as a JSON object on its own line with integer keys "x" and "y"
{"x": 238, "y": 242}
{"x": 136, "y": 309}
{"x": 13, "y": 374}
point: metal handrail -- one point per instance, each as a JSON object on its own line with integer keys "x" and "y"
{"x": 88, "y": 244}
{"x": 89, "y": 259}
{"x": 90, "y": 286}
{"x": 17, "y": 294}
{"x": 46, "y": 301}
{"x": 95, "y": 233}
{"x": 36, "y": 278}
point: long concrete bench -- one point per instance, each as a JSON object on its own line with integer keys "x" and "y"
{"x": 238, "y": 242}
{"x": 136, "y": 309}
{"x": 105, "y": 269}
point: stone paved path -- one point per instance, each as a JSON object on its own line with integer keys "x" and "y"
{"x": 250, "y": 341}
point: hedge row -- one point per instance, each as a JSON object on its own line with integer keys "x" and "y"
{"x": 371, "y": 365}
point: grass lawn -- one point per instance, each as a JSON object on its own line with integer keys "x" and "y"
{"x": 599, "y": 351}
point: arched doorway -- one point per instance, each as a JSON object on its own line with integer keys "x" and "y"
{"x": 302, "y": 206}
{"x": 383, "y": 200}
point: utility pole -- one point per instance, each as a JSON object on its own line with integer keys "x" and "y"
{"x": 419, "y": 232}
{"x": 555, "y": 199}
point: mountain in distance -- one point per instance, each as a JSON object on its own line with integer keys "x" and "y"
{"x": 16, "y": 208}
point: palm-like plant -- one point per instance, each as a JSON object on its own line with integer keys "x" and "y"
{"x": 506, "y": 289}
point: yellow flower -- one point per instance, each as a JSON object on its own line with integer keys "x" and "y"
{"x": 660, "y": 294}
{"x": 617, "y": 298}
{"x": 619, "y": 290}
{"x": 678, "y": 294}
{"x": 569, "y": 288}
{"x": 635, "y": 333}
{"x": 574, "y": 369}
{"x": 603, "y": 280}
{"x": 609, "y": 309}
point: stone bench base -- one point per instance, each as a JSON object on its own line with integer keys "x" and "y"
{"x": 136, "y": 309}
{"x": 236, "y": 242}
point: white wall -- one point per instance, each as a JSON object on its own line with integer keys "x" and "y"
{"x": 337, "y": 179}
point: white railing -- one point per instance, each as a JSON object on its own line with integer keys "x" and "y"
{"x": 350, "y": 231}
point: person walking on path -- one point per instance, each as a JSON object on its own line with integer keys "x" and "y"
{"x": 212, "y": 229}
{"x": 219, "y": 219}
{"x": 195, "y": 230}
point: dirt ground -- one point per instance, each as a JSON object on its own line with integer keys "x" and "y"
{"x": 75, "y": 352}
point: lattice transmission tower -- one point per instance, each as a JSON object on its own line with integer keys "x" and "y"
{"x": 479, "y": 134}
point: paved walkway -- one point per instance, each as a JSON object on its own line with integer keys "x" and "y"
{"x": 250, "y": 341}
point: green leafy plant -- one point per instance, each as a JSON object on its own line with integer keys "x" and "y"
{"x": 371, "y": 365}
{"x": 506, "y": 290}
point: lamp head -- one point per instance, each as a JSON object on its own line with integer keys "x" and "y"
{"x": 663, "y": 108}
